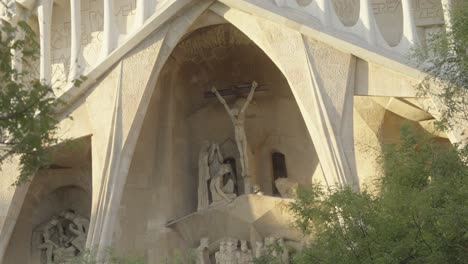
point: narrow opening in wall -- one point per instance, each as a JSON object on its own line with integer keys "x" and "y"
{"x": 279, "y": 169}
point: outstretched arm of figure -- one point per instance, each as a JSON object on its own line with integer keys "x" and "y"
{"x": 221, "y": 99}
{"x": 250, "y": 97}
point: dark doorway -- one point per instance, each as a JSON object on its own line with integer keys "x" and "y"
{"x": 279, "y": 169}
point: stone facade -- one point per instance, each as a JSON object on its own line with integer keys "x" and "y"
{"x": 164, "y": 163}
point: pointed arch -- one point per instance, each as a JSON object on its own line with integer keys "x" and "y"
{"x": 325, "y": 105}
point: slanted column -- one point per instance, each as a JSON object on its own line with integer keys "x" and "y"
{"x": 367, "y": 19}
{"x": 44, "y": 14}
{"x": 75, "y": 58}
{"x": 110, "y": 32}
{"x": 410, "y": 36}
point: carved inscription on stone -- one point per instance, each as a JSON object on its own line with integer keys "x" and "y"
{"x": 125, "y": 8}
{"x": 428, "y": 12}
{"x": 385, "y": 6}
{"x": 389, "y": 18}
{"x": 92, "y": 22}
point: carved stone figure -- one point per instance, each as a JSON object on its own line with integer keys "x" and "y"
{"x": 229, "y": 186}
{"x": 203, "y": 255}
{"x": 47, "y": 244}
{"x": 245, "y": 254}
{"x": 220, "y": 256}
{"x": 79, "y": 228}
{"x": 63, "y": 238}
{"x": 217, "y": 170}
{"x": 211, "y": 167}
{"x": 237, "y": 115}
{"x": 203, "y": 176}
{"x": 231, "y": 251}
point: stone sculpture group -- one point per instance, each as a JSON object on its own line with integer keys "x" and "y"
{"x": 63, "y": 238}
{"x": 237, "y": 115}
{"x": 212, "y": 169}
{"x": 229, "y": 252}
{"x": 212, "y": 172}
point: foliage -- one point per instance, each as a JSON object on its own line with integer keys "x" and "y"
{"x": 89, "y": 257}
{"x": 181, "y": 257}
{"x": 270, "y": 255}
{"x": 419, "y": 216}
{"x": 27, "y": 121}
{"x": 445, "y": 59}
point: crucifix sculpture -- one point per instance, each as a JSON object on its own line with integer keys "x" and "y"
{"x": 237, "y": 115}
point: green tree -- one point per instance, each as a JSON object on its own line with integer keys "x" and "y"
{"x": 27, "y": 119}
{"x": 419, "y": 215}
{"x": 444, "y": 58}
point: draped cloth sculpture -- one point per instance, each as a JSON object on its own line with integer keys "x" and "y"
{"x": 212, "y": 169}
{"x": 203, "y": 176}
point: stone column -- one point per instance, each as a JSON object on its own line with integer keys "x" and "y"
{"x": 142, "y": 8}
{"x": 410, "y": 36}
{"x": 367, "y": 20}
{"x": 44, "y": 14}
{"x": 110, "y": 32}
{"x": 75, "y": 58}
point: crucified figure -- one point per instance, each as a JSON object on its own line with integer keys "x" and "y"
{"x": 237, "y": 115}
